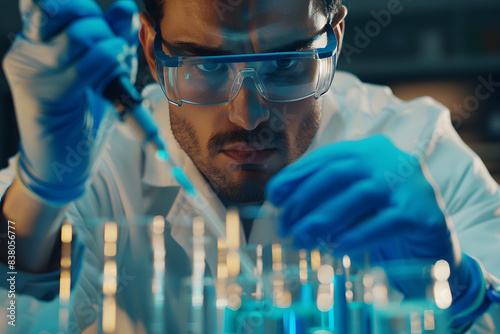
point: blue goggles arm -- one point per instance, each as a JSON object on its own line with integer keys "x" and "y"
{"x": 328, "y": 51}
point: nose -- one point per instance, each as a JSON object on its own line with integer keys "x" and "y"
{"x": 248, "y": 109}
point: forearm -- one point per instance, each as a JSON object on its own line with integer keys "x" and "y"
{"x": 36, "y": 226}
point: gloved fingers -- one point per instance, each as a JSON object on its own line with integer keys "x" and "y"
{"x": 317, "y": 188}
{"x": 341, "y": 213}
{"x": 44, "y": 19}
{"x": 84, "y": 34}
{"x": 283, "y": 183}
{"x": 64, "y": 49}
{"x": 123, "y": 18}
{"x": 95, "y": 69}
{"x": 61, "y": 91}
{"x": 385, "y": 225}
{"x": 104, "y": 62}
{"x": 367, "y": 149}
{"x": 327, "y": 154}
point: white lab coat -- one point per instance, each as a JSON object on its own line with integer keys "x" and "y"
{"x": 130, "y": 182}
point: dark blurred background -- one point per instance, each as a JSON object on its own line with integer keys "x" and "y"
{"x": 445, "y": 49}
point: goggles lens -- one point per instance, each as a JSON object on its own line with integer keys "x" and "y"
{"x": 278, "y": 77}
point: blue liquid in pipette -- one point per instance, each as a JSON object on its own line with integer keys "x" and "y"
{"x": 183, "y": 180}
{"x": 178, "y": 173}
{"x": 161, "y": 155}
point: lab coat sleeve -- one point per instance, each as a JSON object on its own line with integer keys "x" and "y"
{"x": 471, "y": 198}
{"x": 423, "y": 128}
{"x": 30, "y": 298}
{"x": 115, "y": 191}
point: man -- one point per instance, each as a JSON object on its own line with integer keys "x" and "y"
{"x": 375, "y": 174}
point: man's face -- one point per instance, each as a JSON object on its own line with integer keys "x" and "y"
{"x": 238, "y": 146}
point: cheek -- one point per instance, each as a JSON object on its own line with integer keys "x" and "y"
{"x": 293, "y": 118}
{"x": 203, "y": 120}
{"x": 203, "y": 126}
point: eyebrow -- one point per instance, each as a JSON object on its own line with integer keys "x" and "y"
{"x": 196, "y": 49}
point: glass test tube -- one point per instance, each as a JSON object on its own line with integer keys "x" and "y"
{"x": 233, "y": 258}
{"x": 158, "y": 284}
{"x": 357, "y": 293}
{"x": 233, "y": 242}
{"x": 325, "y": 296}
{"x": 65, "y": 278}
{"x": 259, "y": 268}
{"x": 109, "y": 285}
{"x": 198, "y": 275}
{"x": 282, "y": 298}
{"x": 420, "y": 311}
{"x": 220, "y": 283}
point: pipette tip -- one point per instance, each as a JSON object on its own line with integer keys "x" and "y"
{"x": 161, "y": 155}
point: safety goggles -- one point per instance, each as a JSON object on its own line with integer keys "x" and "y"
{"x": 277, "y": 76}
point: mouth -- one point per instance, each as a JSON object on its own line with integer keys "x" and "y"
{"x": 245, "y": 154}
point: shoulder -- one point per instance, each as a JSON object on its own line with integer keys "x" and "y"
{"x": 378, "y": 101}
{"x": 366, "y": 109}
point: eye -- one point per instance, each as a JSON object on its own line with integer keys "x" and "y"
{"x": 210, "y": 67}
{"x": 285, "y": 63}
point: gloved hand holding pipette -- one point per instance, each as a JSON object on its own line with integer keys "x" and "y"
{"x": 368, "y": 196}
{"x": 57, "y": 69}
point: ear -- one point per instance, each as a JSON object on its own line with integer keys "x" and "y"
{"x": 147, "y": 36}
{"x": 338, "y": 24}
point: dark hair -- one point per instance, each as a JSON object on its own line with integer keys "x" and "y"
{"x": 155, "y": 8}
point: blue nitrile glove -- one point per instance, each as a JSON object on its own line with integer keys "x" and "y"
{"x": 368, "y": 196}
{"x": 57, "y": 68}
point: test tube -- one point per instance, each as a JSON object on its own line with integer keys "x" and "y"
{"x": 325, "y": 290}
{"x": 233, "y": 242}
{"x": 197, "y": 277}
{"x": 339, "y": 297}
{"x": 303, "y": 266}
{"x": 315, "y": 259}
{"x": 109, "y": 285}
{"x": 220, "y": 283}
{"x": 325, "y": 295}
{"x": 429, "y": 322}
{"x": 65, "y": 277}
{"x": 415, "y": 323}
{"x": 259, "y": 268}
{"x": 222, "y": 273}
{"x": 357, "y": 279}
{"x": 349, "y": 293}
{"x": 198, "y": 261}
{"x": 282, "y": 298}
{"x": 306, "y": 288}
{"x": 158, "y": 286}
{"x": 233, "y": 258}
